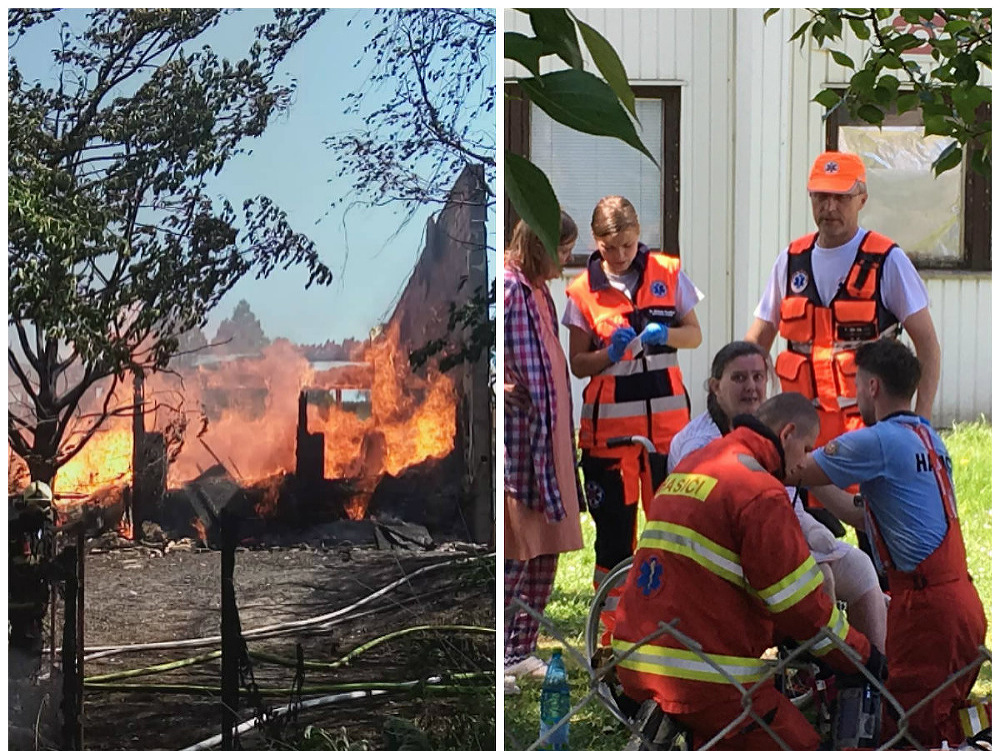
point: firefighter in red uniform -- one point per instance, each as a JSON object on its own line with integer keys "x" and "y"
{"x": 936, "y": 622}
{"x": 628, "y": 313}
{"x": 723, "y": 554}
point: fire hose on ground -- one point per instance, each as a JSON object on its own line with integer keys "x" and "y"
{"x": 255, "y": 722}
{"x": 334, "y": 693}
{"x": 96, "y": 681}
{"x": 281, "y": 629}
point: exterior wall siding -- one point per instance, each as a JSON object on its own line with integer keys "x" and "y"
{"x": 749, "y": 133}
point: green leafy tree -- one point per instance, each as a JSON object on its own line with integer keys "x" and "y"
{"x": 601, "y": 105}
{"x": 948, "y": 92}
{"x": 115, "y": 244}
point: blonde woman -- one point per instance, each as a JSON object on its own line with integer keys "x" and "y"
{"x": 628, "y": 313}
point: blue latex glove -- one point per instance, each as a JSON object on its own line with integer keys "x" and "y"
{"x": 654, "y": 333}
{"x": 619, "y": 341}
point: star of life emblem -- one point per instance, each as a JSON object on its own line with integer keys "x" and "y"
{"x": 658, "y": 288}
{"x": 650, "y": 576}
{"x": 831, "y": 167}
{"x": 799, "y": 281}
{"x": 594, "y": 493}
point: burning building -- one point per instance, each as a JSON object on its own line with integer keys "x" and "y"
{"x": 306, "y": 443}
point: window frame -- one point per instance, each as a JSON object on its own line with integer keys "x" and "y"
{"x": 977, "y": 195}
{"x": 517, "y": 139}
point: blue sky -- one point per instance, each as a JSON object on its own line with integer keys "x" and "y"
{"x": 291, "y": 165}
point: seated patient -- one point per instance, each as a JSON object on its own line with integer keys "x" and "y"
{"x": 737, "y": 386}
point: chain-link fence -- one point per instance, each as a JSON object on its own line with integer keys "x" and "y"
{"x": 649, "y": 729}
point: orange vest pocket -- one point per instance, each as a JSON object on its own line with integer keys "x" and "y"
{"x": 867, "y": 287}
{"x": 854, "y": 320}
{"x": 796, "y": 323}
{"x": 606, "y": 323}
{"x": 795, "y": 373}
{"x": 846, "y": 369}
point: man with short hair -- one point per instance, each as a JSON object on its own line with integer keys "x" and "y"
{"x": 722, "y": 553}
{"x": 832, "y": 290}
{"x": 836, "y": 288}
{"x": 907, "y": 502}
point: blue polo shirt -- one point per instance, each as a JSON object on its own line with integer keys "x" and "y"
{"x": 893, "y": 468}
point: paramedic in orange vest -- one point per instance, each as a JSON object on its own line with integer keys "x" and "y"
{"x": 936, "y": 622}
{"x": 723, "y": 554}
{"x": 628, "y": 313}
{"x": 836, "y": 288}
{"x": 832, "y": 290}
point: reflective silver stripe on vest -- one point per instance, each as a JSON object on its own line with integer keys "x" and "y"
{"x": 842, "y": 401}
{"x": 635, "y": 409}
{"x": 652, "y": 362}
{"x": 681, "y": 663}
{"x": 682, "y": 540}
{"x": 837, "y": 624}
{"x": 805, "y": 348}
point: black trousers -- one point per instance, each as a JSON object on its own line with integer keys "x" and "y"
{"x": 614, "y": 520}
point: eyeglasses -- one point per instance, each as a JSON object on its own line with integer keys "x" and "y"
{"x": 840, "y": 198}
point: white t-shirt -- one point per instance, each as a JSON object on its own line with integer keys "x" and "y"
{"x": 701, "y": 431}
{"x": 903, "y": 291}
{"x": 685, "y": 298}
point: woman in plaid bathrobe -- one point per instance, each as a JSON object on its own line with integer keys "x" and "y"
{"x": 541, "y": 486}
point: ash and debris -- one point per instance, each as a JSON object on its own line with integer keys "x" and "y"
{"x": 163, "y": 590}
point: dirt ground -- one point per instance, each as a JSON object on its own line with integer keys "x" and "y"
{"x": 141, "y": 595}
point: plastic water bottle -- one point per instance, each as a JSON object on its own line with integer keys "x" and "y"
{"x": 555, "y": 704}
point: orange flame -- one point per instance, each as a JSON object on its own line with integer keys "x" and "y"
{"x": 243, "y": 412}
{"x": 268, "y": 504}
{"x": 199, "y": 527}
{"x": 357, "y": 507}
{"x": 124, "y": 529}
{"x": 105, "y": 460}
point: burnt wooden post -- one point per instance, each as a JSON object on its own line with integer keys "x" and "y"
{"x": 309, "y": 449}
{"x": 480, "y": 448}
{"x": 230, "y": 631}
{"x": 149, "y": 483}
{"x": 81, "y": 555}
{"x": 138, "y": 439}
{"x": 72, "y": 648}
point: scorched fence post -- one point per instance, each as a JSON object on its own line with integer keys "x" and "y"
{"x": 230, "y": 631}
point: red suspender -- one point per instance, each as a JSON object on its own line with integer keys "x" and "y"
{"x": 945, "y": 488}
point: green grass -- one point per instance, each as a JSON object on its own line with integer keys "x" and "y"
{"x": 594, "y": 729}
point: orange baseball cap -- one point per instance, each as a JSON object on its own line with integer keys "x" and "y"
{"x": 836, "y": 172}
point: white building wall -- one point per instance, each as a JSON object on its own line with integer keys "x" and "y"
{"x": 749, "y": 134}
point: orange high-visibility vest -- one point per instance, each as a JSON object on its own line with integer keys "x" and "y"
{"x": 642, "y": 394}
{"x": 819, "y": 362}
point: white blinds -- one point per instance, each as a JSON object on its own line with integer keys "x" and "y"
{"x": 584, "y": 168}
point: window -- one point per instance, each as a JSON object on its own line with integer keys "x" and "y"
{"x": 584, "y": 168}
{"x": 942, "y": 222}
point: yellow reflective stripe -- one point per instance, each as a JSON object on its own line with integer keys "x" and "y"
{"x": 837, "y": 623}
{"x": 681, "y": 540}
{"x": 682, "y": 663}
{"x": 789, "y": 590}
